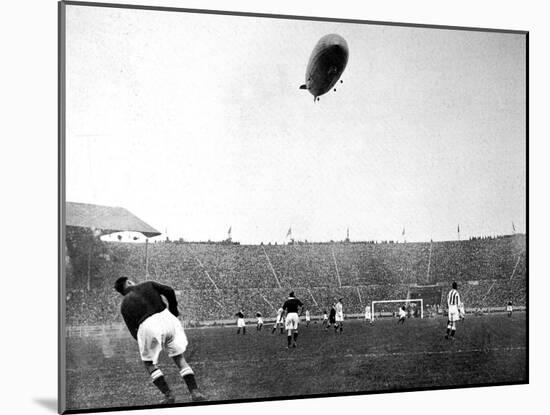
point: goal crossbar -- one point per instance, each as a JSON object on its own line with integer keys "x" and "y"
{"x": 399, "y": 301}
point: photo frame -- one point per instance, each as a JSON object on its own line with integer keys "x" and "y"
{"x": 413, "y": 200}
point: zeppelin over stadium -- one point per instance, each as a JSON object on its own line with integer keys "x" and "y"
{"x": 326, "y": 64}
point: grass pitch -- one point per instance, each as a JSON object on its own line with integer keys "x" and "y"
{"x": 105, "y": 371}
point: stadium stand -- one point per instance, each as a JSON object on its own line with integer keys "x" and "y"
{"x": 213, "y": 280}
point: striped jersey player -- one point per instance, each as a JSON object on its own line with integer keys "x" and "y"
{"x": 453, "y": 304}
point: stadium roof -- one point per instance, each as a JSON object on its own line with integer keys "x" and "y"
{"x": 107, "y": 219}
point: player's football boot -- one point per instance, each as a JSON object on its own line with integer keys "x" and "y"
{"x": 197, "y": 396}
{"x": 170, "y": 398}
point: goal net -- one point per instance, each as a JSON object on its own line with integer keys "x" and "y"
{"x": 389, "y": 308}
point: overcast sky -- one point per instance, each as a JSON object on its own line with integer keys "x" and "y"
{"x": 195, "y": 123}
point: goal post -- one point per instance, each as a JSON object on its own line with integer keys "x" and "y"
{"x": 405, "y": 302}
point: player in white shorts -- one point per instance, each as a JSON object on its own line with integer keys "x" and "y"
{"x": 156, "y": 328}
{"x": 279, "y": 321}
{"x": 291, "y": 307}
{"x": 368, "y": 317}
{"x": 339, "y": 318}
{"x": 308, "y": 318}
{"x": 240, "y": 322}
{"x": 509, "y": 309}
{"x": 161, "y": 331}
{"x": 402, "y": 315}
{"x": 260, "y": 322}
{"x": 453, "y": 301}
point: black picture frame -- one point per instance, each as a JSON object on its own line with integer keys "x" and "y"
{"x": 62, "y": 398}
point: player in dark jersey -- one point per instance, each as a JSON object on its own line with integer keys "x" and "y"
{"x": 332, "y": 316}
{"x": 155, "y": 328}
{"x": 291, "y": 306}
{"x": 325, "y": 320}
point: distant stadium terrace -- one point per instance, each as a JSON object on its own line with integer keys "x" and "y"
{"x": 215, "y": 279}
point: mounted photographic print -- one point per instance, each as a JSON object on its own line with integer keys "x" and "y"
{"x": 263, "y": 207}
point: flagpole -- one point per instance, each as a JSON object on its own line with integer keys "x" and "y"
{"x": 146, "y": 259}
{"x": 429, "y": 262}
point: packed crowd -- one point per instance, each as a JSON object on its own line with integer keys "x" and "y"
{"x": 214, "y": 280}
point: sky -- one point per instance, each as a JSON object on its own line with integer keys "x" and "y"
{"x": 195, "y": 123}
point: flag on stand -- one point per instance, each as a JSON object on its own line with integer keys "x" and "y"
{"x": 513, "y": 227}
{"x": 403, "y": 233}
{"x": 229, "y": 232}
{"x": 289, "y": 233}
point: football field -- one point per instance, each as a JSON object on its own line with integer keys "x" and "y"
{"x": 105, "y": 371}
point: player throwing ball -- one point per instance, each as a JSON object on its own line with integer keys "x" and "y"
{"x": 453, "y": 303}
{"x": 291, "y": 306}
{"x": 155, "y": 328}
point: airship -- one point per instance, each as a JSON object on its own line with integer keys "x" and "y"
{"x": 326, "y": 64}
